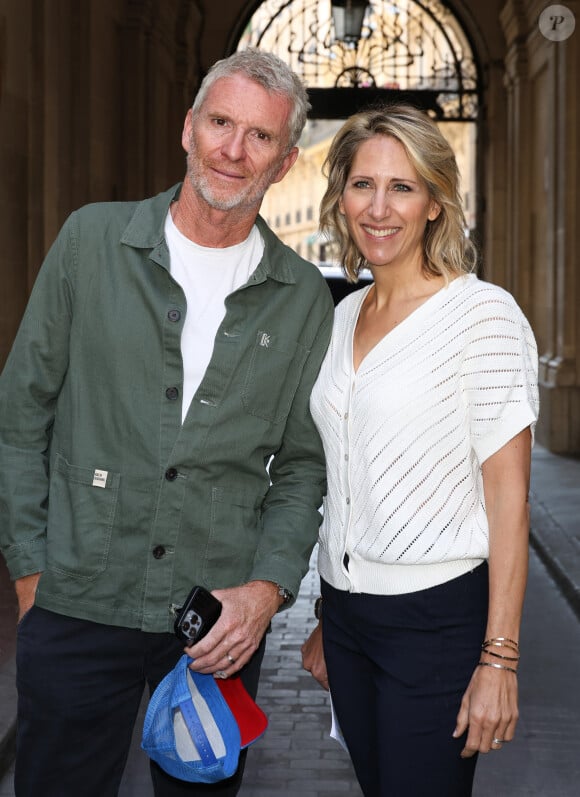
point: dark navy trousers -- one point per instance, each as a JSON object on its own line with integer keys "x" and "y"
{"x": 80, "y": 686}
{"x": 398, "y": 667}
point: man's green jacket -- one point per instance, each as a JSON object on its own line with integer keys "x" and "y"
{"x": 102, "y": 488}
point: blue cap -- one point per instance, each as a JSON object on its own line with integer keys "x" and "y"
{"x": 189, "y": 729}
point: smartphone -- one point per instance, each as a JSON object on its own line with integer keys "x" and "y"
{"x": 197, "y": 616}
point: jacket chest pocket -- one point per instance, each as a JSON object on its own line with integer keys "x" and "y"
{"x": 273, "y": 376}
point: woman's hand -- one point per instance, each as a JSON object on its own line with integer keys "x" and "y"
{"x": 489, "y": 711}
{"x": 313, "y": 657}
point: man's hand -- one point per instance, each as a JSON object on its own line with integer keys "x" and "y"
{"x": 25, "y": 592}
{"x": 313, "y": 657}
{"x": 245, "y": 617}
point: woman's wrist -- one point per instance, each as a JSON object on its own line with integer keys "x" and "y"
{"x": 500, "y": 653}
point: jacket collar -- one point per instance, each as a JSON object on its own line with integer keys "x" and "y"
{"x": 146, "y": 231}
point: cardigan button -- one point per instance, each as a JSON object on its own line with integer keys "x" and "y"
{"x": 158, "y": 552}
{"x": 174, "y": 315}
{"x": 171, "y": 474}
{"x": 172, "y": 393}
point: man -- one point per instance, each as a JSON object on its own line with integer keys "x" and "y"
{"x": 155, "y": 434}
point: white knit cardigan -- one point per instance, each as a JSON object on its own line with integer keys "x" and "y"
{"x": 406, "y": 435}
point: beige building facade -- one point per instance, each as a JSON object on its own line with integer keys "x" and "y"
{"x": 93, "y": 95}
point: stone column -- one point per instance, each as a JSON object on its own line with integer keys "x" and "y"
{"x": 15, "y": 25}
{"x": 559, "y": 427}
{"x": 542, "y": 210}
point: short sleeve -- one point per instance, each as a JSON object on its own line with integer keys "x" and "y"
{"x": 499, "y": 372}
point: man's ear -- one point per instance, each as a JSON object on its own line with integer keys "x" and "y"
{"x": 186, "y": 133}
{"x": 286, "y": 165}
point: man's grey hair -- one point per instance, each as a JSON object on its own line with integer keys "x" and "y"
{"x": 270, "y": 72}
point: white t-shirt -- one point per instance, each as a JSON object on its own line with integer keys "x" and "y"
{"x": 406, "y": 435}
{"x": 207, "y": 276}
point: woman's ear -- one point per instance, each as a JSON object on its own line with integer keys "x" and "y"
{"x": 434, "y": 210}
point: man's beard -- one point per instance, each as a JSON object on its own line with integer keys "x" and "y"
{"x": 228, "y": 199}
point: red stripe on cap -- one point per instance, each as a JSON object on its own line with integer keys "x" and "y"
{"x": 251, "y": 720}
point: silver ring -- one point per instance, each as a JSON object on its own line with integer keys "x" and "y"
{"x": 498, "y": 741}
{"x": 230, "y": 658}
{"x": 220, "y": 674}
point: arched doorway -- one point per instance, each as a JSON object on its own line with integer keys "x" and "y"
{"x": 414, "y": 50}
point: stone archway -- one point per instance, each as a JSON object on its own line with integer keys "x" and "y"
{"x": 413, "y": 50}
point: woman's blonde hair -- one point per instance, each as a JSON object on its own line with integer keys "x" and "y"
{"x": 448, "y": 251}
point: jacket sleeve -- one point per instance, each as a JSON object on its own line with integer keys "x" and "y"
{"x": 29, "y": 387}
{"x": 291, "y": 509}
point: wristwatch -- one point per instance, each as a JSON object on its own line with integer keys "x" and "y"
{"x": 285, "y": 594}
{"x": 318, "y": 608}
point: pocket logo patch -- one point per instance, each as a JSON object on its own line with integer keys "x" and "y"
{"x": 100, "y": 478}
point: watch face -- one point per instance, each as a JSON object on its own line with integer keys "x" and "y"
{"x": 284, "y": 594}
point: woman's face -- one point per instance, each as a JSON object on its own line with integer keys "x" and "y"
{"x": 386, "y": 204}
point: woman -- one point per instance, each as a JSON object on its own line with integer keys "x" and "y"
{"x": 426, "y": 404}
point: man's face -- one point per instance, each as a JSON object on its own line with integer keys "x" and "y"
{"x": 236, "y": 144}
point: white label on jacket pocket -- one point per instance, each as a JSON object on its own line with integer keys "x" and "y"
{"x": 100, "y": 478}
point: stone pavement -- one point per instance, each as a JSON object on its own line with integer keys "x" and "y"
{"x": 296, "y": 758}
{"x": 555, "y": 519}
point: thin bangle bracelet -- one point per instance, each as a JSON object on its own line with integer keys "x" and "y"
{"x": 498, "y": 640}
{"x": 496, "y": 666}
{"x": 499, "y": 656}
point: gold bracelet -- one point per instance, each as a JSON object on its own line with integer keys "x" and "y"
{"x": 499, "y": 656}
{"x": 496, "y": 666}
{"x": 502, "y": 641}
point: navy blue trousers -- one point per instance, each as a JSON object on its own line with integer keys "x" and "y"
{"x": 398, "y": 667}
{"x": 80, "y": 686}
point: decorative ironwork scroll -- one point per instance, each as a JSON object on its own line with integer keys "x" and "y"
{"x": 413, "y": 47}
